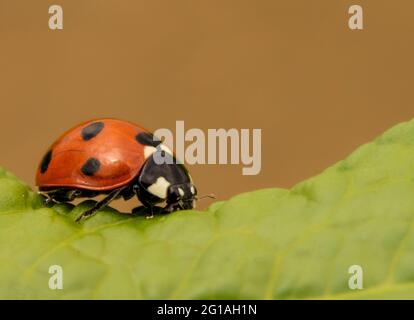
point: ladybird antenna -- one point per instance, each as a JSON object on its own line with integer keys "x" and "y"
{"x": 211, "y": 196}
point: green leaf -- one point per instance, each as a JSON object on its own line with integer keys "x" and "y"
{"x": 266, "y": 244}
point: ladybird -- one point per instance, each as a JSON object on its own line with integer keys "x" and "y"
{"x": 117, "y": 159}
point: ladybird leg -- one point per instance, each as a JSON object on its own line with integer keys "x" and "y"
{"x": 148, "y": 205}
{"x": 73, "y": 194}
{"x": 47, "y": 199}
{"x": 60, "y": 195}
{"x": 138, "y": 210}
{"x": 103, "y": 203}
{"x": 149, "y": 212}
{"x": 146, "y": 208}
{"x": 53, "y": 197}
{"x": 170, "y": 207}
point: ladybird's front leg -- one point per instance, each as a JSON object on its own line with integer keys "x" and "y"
{"x": 147, "y": 205}
{"x": 148, "y": 211}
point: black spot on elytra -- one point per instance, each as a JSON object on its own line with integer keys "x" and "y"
{"x": 91, "y": 167}
{"x": 147, "y": 139}
{"x": 46, "y": 161}
{"x": 92, "y": 130}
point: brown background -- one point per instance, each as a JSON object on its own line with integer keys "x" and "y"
{"x": 291, "y": 68}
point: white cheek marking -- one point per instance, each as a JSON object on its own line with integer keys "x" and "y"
{"x": 181, "y": 192}
{"x": 192, "y": 189}
{"x": 148, "y": 151}
{"x": 159, "y": 188}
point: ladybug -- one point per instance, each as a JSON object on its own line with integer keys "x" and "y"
{"x": 118, "y": 159}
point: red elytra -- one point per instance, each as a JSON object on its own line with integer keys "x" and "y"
{"x": 120, "y": 155}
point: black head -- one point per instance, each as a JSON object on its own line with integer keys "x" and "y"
{"x": 182, "y": 195}
{"x": 167, "y": 181}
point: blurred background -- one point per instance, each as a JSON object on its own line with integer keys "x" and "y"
{"x": 292, "y": 68}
